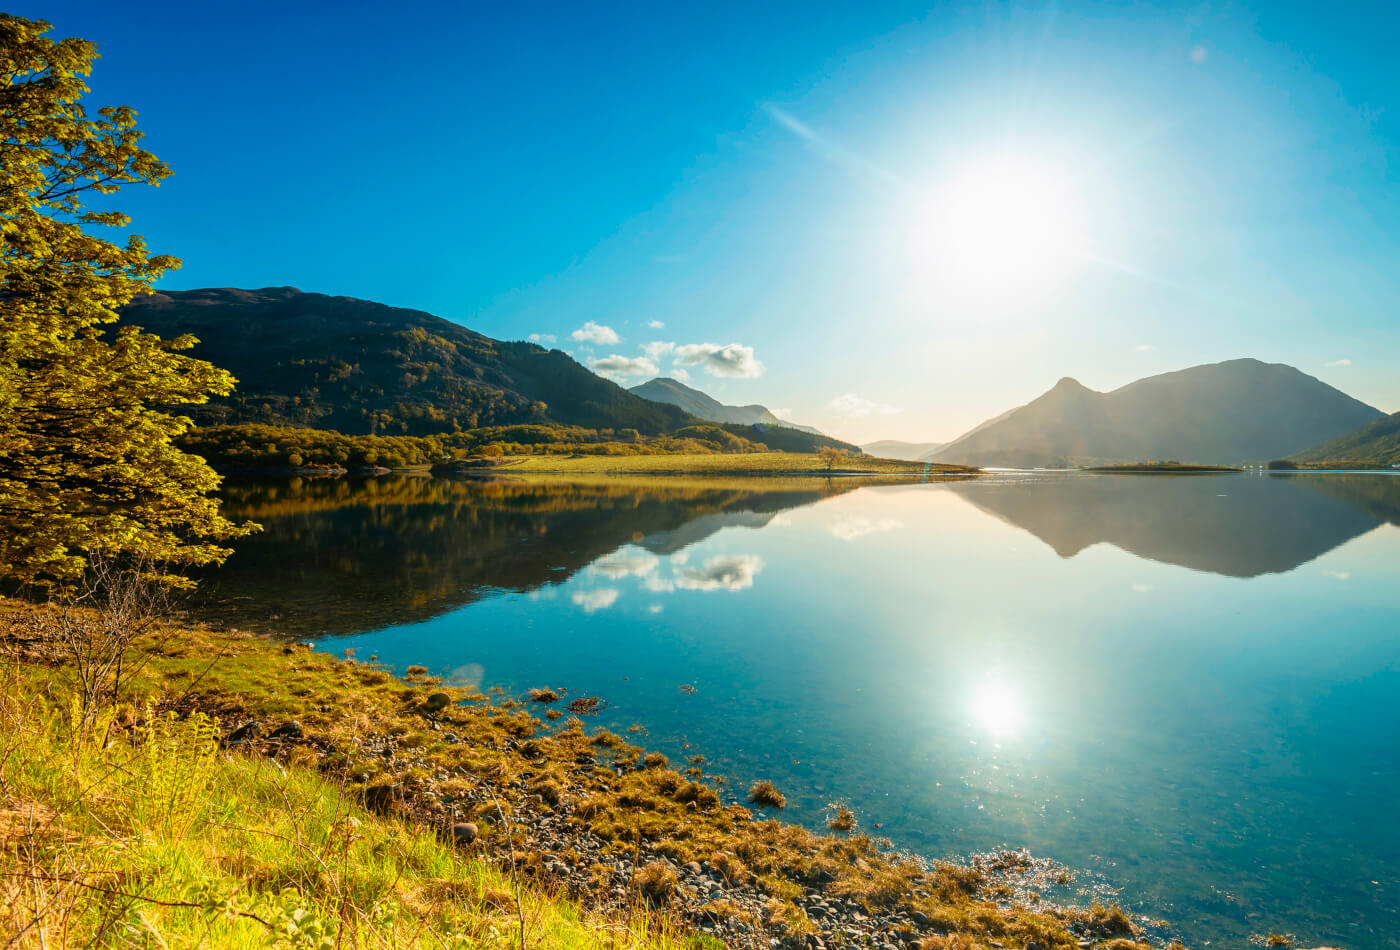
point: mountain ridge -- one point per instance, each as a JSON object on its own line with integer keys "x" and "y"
{"x": 361, "y": 367}
{"x": 1216, "y": 413}
{"x": 670, "y": 391}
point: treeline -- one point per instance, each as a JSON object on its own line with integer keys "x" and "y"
{"x": 269, "y": 446}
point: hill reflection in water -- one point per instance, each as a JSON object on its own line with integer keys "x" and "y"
{"x": 339, "y": 556}
{"x": 1236, "y": 525}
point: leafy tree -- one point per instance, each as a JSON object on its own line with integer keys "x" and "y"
{"x": 87, "y": 462}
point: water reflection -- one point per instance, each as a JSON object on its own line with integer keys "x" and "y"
{"x": 998, "y": 708}
{"x": 343, "y": 555}
{"x": 1240, "y": 526}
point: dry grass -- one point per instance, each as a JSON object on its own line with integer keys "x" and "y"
{"x": 765, "y": 794}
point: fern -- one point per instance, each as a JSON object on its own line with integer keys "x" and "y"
{"x": 177, "y": 767}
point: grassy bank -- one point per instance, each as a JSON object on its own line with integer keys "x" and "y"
{"x": 333, "y": 804}
{"x": 753, "y": 463}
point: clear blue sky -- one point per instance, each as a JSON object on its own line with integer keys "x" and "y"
{"x": 1221, "y": 181}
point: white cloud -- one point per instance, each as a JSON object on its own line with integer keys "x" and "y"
{"x": 655, "y": 324}
{"x": 615, "y": 365}
{"x": 655, "y": 608}
{"x": 781, "y": 412}
{"x": 730, "y": 359}
{"x": 592, "y": 332}
{"x": 658, "y": 584}
{"x": 856, "y": 407}
{"x": 622, "y": 564}
{"x": 726, "y": 572}
{"x": 848, "y": 529}
{"x": 677, "y": 373}
{"x": 1332, "y": 363}
{"x": 1339, "y": 575}
{"x": 592, "y": 600}
{"x": 1144, "y": 347}
{"x": 1142, "y": 588}
{"x": 658, "y": 349}
{"x": 542, "y": 338}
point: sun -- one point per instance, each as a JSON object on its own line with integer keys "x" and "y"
{"x": 998, "y": 224}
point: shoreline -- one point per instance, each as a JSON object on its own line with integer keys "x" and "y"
{"x": 586, "y": 813}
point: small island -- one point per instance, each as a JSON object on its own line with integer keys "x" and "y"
{"x": 1162, "y": 468}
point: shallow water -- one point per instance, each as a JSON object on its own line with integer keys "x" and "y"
{"x": 1188, "y": 687}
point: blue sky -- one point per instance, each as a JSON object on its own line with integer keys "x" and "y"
{"x": 1189, "y": 183}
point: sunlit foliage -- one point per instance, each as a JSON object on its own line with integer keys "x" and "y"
{"x": 87, "y": 460}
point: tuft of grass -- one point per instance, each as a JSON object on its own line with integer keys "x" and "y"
{"x": 657, "y": 882}
{"x": 765, "y": 794}
{"x": 841, "y": 819}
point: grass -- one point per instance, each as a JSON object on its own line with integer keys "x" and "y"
{"x": 755, "y": 463}
{"x": 266, "y": 831}
{"x": 148, "y": 835}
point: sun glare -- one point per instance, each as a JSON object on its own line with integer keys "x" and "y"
{"x": 998, "y": 224}
{"x": 998, "y": 709}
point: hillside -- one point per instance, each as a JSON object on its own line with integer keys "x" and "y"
{"x": 1216, "y": 414}
{"x": 673, "y": 392}
{"x": 360, "y": 367}
{"x": 1377, "y": 444}
{"x": 895, "y": 449}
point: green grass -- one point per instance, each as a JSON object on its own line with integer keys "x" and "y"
{"x": 160, "y": 840}
{"x": 755, "y": 463}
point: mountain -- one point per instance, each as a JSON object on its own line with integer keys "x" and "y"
{"x": 358, "y": 367}
{"x": 895, "y": 449}
{"x": 1377, "y": 444}
{"x": 675, "y": 393}
{"x": 1217, "y": 414}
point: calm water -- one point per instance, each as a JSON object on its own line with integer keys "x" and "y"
{"x": 1189, "y": 686}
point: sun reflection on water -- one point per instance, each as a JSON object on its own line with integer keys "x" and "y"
{"x": 999, "y": 708}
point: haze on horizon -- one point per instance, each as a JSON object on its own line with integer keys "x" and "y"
{"x": 878, "y": 220}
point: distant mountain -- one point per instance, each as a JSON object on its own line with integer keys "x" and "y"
{"x": 895, "y": 449}
{"x": 359, "y": 367}
{"x": 675, "y": 393}
{"x": 1377, "y": 444}
{"x": 1217, "y": 414}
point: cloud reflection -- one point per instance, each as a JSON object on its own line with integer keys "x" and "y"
{"x": 726, "y": 572}
{"x": 595, "y": 600}
{"x": 848, "y": 529}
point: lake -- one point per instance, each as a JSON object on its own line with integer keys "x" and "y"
{"x": 1187, "y": 687}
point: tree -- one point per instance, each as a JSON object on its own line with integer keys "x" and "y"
{"x": 831, "y": 457}
{"x": 87, "y": 462}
